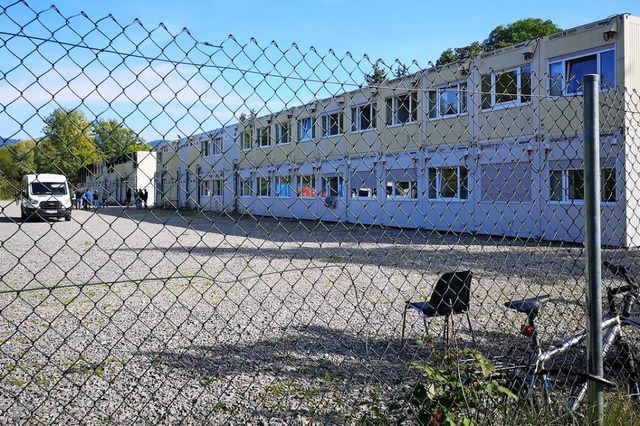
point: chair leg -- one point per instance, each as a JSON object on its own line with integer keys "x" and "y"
{"x": 449, "y": 330}
{"x": 404, "y": 320}
{"x": 426, "y": 326}
{"x": 473, "y": 334}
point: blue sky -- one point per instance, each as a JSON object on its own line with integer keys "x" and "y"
{"x": 405, "y": 31}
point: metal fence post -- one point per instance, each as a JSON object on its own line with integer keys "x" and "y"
{"x": 592, "y": 242}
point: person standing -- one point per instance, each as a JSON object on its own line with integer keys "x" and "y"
{"x": 79, "y": 194}
{"x": 145, "y": 197}
{"x": 88, "y": 198}
{"x": 128, "y": 197}
{"x": 96, "y": 200}
{"x": 138, "y": 199}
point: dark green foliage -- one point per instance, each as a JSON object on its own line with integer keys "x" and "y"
{"x": 501, "y": 36}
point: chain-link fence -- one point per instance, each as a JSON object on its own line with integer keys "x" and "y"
{"x": 253, "y": 266}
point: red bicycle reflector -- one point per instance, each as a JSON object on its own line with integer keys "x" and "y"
{"x": 527, "y": 330}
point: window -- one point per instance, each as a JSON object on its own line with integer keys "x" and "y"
{"x": 448, "y": 100}
{"x": 282, "y": 133}
{"x": 402, "y": 109}
{"x": 48, "y": 188}
{"x": 448, "y": 182}
{"x": 608, "y": 185}
{"x": 216, "y": 188}
{"x": 566, "y": 75}
{"x": 205, "y": 188}
{"x": 216, "y": 148}
{"x": 568, "y": 185}
{"x": 363, "y": 184}
{"x": 306, "y": 129}
{"x": 247, "y": 140}
{"x": 509, "y": 87}
{"x": 263, "y": 185}
{"x": 332, "y": 186}
{"x": 306, "y": 186}
{"x": 332, "y": 124}
{"x": 402, "y": 183}
{"x": 364, "y": 117}
{"x": 246, "y": 189}
{"x": 264, "y": 137}
{"x": 283, "y": 186}
{"x": 205, "y": 148}
{"x": 402, "y": 189}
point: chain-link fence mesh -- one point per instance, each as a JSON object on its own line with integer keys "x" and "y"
{"x": 253, "y": 266}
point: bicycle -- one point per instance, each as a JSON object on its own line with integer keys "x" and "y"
{"x": 531, "y": 379}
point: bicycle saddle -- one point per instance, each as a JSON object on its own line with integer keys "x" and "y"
{"x": 528, "y": 306}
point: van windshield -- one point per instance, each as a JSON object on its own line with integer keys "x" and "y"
{"x": 48, "y": 188}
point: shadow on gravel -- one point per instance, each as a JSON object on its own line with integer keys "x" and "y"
{"x": 312, "y": 352}
{"x": 310, "y": 362}
{"x": 411, "y": 249}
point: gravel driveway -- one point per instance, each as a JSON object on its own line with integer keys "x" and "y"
{"x": 160, "y": 317}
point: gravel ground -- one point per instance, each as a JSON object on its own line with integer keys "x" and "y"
{"x": 159, "y": 317}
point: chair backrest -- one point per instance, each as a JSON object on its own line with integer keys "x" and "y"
{"x": 452, "y": 293}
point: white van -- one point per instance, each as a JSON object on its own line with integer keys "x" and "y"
{"x": 45, "y": 195}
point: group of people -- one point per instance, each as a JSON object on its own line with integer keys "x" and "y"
{"x": 85, "y": 199}
{"x": 141, "y": 198}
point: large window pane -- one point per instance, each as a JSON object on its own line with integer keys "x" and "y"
{"x": 448, "y": 102}
{"x": 557, "y": 79}
{"x": 608, "y": 70}
{"x": 555, "y": 181}
{"x": 332, "y": 124}
{"x": 449, "y": 187}
{"x": 608, "y": 177}
{"x": 283, "y": 186}
{"x": 264, "y": 187}
{"x": 486, "y": 91}
{"x": 305, "y": 129}
{"x": 265, "y": 136}
{"x": 464, "y": 187}
{"x": 462, "y": 94}
{"x": 525, "y": 83}
{"x": 576, "y": 184}
{"x": 433, "y": 104}
{"x": 507, "y": 87}
{"x": 433, "y": 183}
{"x": 246, "y": 188}
{"x": 247, "y": 141}
{"x": 306, "y": 186}
{"x": 332, "y": 186}
{"x": 577, "y": 69}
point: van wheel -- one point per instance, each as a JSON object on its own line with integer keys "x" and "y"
{"x": 23, "y": 216}
{"x": 67, "y": 218}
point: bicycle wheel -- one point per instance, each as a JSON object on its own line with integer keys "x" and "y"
{"x": 623, "y": 364}
{"x": 532, "y": 399}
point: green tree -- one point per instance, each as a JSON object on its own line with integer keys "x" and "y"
{"x": 459, "y": 53}
{"x": 401, "y": 71}
{"x": 15, "y": 161}
{"x": 113, "y": 139}
{"x": 376, "y": 77}
{"x": 501, "y": 36}
{"x": 518, "y": 32}
{"x": 67, "y": 145}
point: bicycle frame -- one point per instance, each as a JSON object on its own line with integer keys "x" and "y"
{"x": 612, "y": 328}
{"x": 538, "y": 358}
